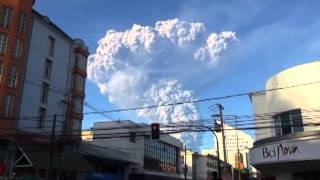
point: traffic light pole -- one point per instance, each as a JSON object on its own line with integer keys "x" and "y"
{"x": 222, "y": 133}
{"x": 218, "y": 153}
{"x": 219, "y": 166}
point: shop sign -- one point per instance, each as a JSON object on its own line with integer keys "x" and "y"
{"x": 279, "y": 150}
{"x": 285, "y": 151}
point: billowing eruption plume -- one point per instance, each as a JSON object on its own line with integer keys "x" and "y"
{"x": 151, "y": 66}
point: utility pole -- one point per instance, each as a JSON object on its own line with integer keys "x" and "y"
{"x": 238, "y": 153}
{"x": 51, "y": 151}
{"x": 185, "y": 163}
{"x": 222, "y": 132}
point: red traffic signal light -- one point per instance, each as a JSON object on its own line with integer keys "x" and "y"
{"x": 155, "y": 130}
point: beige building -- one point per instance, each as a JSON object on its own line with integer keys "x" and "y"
{"x": 244, "y": 143}
{"x": 287, "y": 118}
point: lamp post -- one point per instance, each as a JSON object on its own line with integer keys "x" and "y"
{"x": 219, "y": 167}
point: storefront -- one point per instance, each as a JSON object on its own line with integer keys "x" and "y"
{"x": 295, "y": 156}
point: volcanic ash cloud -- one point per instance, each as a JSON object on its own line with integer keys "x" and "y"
{"x": 147, "y": 65}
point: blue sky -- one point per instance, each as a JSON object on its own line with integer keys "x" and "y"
{"x": 274, "y": 35}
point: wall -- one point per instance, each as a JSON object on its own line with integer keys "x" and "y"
{"x": 58, "y": 87}
{"x": 245, "y": 141}
{"x": 305, "y": 97}
{"x": 18, "y": 6}
{"x": 122, "y": 128}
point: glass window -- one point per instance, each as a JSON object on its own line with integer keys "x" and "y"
{"x": 44, "y": 93}
{"x": 160, "y": 156}
{"x": 42, "y": 116}
{"x": 288, "y": 122}
{"x": 132, "y": 137}
{"x": 8, "y": 106}
{"x": 3, "y": 43}
{"x": 296, "y": 119}
{"x": 17, "y": 49}
{"x": 12, "y": 77}
{"x": 51, "y": 46}
{"x": 1, "y": 71}
{"x": 5, "y": 17}
{"x": 47, "y": 69}
{"x": 78, "y": 82}
{"x": 22, "y": 22}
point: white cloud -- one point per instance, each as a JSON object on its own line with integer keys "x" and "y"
{"x": 147, "y": 65}
{"x": 215, "y": 44}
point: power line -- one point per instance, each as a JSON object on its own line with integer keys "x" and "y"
{"x": 188, "y": 102}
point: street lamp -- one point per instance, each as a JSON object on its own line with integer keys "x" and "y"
{"x": 219, "y": 167}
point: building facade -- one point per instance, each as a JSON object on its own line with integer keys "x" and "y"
{"x": 204, "y": 166}
{"x": 236, "y": 141}
{"x": 54, "y": 81}
{"x": 153, "y": 159}
{"x": 15, "y": 20}
{"x": 42, "y": 73}
{"x": 287, "y": 119}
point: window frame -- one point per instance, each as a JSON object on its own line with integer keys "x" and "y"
{"x": 18, "y": 48}
{"x": 51, "y": 47}
{"x": 22, "y": 21}
{"x": 12, "y": 76}
{"x": 6, "y": 16}
{"x": 3, "y": 43}
{"x": 8, "y": 105}
{"x": 42, "y": 116}
{"x": 47, "y": 69}
{"x": 1, "y": 70}
{"x": 44, "y": 93}
{"x": 278, "y": 122}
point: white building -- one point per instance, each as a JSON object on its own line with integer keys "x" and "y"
{"x": 288, "y": 138}
{"x": 54, "y": 81}
{"x": 244, "y": 143}
{"x": 204, "y": 166}
{"x": 154, "y": 159}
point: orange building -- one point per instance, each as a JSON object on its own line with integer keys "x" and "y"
{"x": 42, "y": 73}
{"x": 15, "y": 18}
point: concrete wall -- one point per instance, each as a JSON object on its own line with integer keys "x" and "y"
{"x": 58, "y": 83}
{"x": 305, "y": 97}
{"x": 200, "y": 167}
{"x": 123, "y": 128}
{"x": 245, "y": 142}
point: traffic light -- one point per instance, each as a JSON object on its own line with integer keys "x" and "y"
{"x": 155, "y": 130}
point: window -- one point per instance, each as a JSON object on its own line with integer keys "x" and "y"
{"x": 78, "y": 82}
{"x": 132, "y": 137}
{"x": 5, "y": 17}
{"x": 51, "y": 46}
{"x": 12, "y": 78}
{"x": 288, "y": 122}
{"x": 81, "y": 62}
{"x": 17, "y": 49}
{"x": 22, "y": 22}
{"x": 44, "y": 93}
{"x": 1, "y": 71}
{"x": 42, "y": 116}
{"x": 47, "y": 69}
{"x": 160, "y": 156}
{"x": 8, "y": 105}
{"x": 3, "y": 43}
{"x": 238, "y": 157}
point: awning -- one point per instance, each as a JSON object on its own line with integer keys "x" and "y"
{"x": 39, "y": 156}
